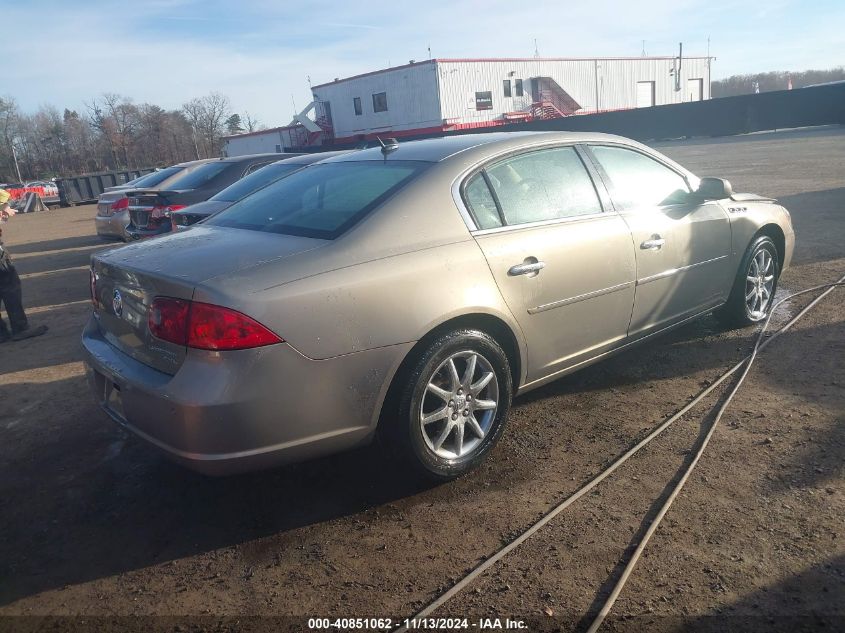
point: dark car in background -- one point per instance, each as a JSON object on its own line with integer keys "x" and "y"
{"x": 245, "y": 186}
{"x": 150, "y": 208}
{"x": 113, "y": 205}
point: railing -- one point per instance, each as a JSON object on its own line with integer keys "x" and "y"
{"x": 326, "y": 125}
{"x": 554, "y": 99}
{"x": 544, "y": 110}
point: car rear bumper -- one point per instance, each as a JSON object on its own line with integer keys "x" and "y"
{"x": 134, "y": 233}
{"x": 231, "y": 412}
{"x": 113, "y": 226}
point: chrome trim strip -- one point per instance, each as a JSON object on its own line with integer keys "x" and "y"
{"x": 674, "y": 271}
{"x": 583, "y": 297}
{"x": 615, "y": 349}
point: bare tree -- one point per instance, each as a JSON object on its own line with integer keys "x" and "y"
{"x": 9, "y": 116}
{"x": 251, "y": 123}
{"x": 207, "y": 116}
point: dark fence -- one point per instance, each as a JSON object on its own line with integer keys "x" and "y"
{"x": 726, "y": 116}
{"x": 88, "y": 187}
{"x": 822, "y": 105}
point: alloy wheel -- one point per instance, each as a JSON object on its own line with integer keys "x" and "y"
{"x": 759, "y": 284}
{"x": 459, "y": 405}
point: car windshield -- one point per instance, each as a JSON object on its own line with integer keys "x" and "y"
{"x": 196, "y": 178}
{"x": 255, "y": 181}
{"x": 151, "y": 180}
{"x": 321, "y": 201}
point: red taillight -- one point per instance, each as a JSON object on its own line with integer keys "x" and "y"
{"x": 206, "y": 326}
{"x": 168, "y": 319}
{"x": 213, "y": 327}
{"x": 117, "y": 205}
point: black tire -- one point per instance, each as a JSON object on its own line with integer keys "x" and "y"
{"x": 402, "y": 429}
{"x": 736, "y": 311}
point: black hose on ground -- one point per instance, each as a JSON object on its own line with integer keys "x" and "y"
{"x": 746, "y": 362}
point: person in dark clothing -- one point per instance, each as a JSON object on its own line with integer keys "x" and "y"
{"x": 10, "y": 292}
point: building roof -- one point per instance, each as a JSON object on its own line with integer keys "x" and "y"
{"x": 498, "y": 59}
{"x": 271, "y": 130}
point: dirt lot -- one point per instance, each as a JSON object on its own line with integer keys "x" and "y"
{"x": 97, "y": 524}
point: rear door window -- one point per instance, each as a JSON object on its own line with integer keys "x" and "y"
{"x": 547, "y": 184}
{"x": 321, "y": 201}
{"x": 481, "y": 203}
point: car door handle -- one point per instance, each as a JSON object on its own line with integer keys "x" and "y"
{"x": 526, "y": 268}
{"x": 654, "y": 244}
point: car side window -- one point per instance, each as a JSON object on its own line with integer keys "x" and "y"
{"x": 637, "y": 181}
{"x": 546, "y": 184}
{"x": 481, "y": 203}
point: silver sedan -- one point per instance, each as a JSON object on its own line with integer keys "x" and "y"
{"x": 411, "y": 291}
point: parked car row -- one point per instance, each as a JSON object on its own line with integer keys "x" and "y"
{"x": 177, "y": 197}
{"x": 408, "y": 292}
{"x": 183, "y": 218}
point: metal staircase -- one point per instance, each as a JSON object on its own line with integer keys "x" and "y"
{"x": 549, "y": 100}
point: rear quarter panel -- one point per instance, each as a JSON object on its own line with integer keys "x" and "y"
{"x": 391, "y": 300}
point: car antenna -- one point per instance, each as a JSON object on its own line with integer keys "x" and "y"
{"x": 388, "y": 145}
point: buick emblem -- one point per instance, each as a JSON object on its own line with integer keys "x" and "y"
{"x": 117, "y": 303}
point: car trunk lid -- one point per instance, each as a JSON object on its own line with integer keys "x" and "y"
{"x": 128, "y": 279}
{"x": 106, "y": 200}
{"x": 123, "y": 300}
{"x": 148, "y": 209}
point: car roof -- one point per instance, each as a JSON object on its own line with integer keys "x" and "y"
{"x": 314, "y": 157}
{"x": 434, "y": 150}
{"x": 246, "y": 157}
{"x": 191, "y": 162}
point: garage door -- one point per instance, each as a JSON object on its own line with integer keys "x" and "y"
{"x": 695, "y": 89}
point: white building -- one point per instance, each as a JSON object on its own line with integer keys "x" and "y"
{"x": 452, "y": 94}
{"x": 272, "y": 140}
{"x": 439, "y": 95}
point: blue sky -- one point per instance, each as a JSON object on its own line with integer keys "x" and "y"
{"x": 260, "y": 53}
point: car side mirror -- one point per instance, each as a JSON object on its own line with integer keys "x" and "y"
{"x": 714, "y": 189}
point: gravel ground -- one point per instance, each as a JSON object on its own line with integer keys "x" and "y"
{"x": 96, "y": 526}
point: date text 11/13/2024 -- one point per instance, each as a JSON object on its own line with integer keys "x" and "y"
{"x": 421, "y": 624}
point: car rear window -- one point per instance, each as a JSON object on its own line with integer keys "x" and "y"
{"x": 151, "y": 180}
{"x": 255, "y": 181}
{"x": 196, "y": 178}
{"x": 321, "y": 201}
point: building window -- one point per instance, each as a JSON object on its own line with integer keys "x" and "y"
{"x": 278, "y": 149}
{"x": 518, "y": 87}
{"x": 356, "y": 102}
{"x": 484, "y": 100}
{"x": 506, "y": 84}
{"x": 380, "y": 102}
